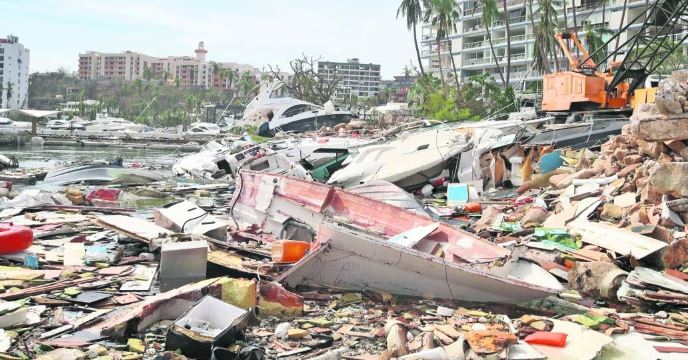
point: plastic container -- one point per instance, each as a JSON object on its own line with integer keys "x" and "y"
{"x": 289, "y": 251}
{"x": 516, "y": 162}
{"x": 14, "y": 239}
{"x": 546, "y": 338}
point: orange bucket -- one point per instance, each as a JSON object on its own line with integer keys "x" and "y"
{"x": 289, "y": 251}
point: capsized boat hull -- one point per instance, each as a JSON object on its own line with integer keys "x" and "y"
{"x": 349, "y": 259}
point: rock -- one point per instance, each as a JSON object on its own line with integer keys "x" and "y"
{"x": 597, "y": 278}
{"x": 628, "y": 170}
{"x": 660, "y": 127}
{"x": 63, "y": 354}
{"x": 297, "y": 333}
{"x": 534, "y": 217}
{"x": 396, "y": 338}
{"x": 684, "y": 154}
{"x": 632, "y": 159}
{"x": 680, "y": 77}
{"x": 675, "y": 145}
{"x": 620, "y": 154}
{"x": 136, "y": 345}
{"x": 650, "y": 148}
{"x": 675, "y": 255}
{"x": 671, "y": 178}
{"x": 611, "y": 212}
{"x": 239, "y": 292}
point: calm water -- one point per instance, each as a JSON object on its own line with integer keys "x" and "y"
{"x": 49, "y": 157}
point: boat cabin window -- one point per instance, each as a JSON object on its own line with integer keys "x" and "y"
{"x": 296, "y": 109}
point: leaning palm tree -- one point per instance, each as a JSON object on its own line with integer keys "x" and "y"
{"x": 443, "y": 15}
{"x": 490, "y": 13}
{"x": 413, "y": 12}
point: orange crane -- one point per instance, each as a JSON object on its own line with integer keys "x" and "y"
{"x": 585, "y": 88}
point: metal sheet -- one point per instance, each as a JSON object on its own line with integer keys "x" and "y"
{"x": 618, "y": 240}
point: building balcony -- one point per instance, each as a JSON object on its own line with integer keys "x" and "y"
{"x": 498, "y": 42}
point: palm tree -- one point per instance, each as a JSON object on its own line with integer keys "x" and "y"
{"x": 443, "y": 15}
{"x": 231, "y": 76}
{"x": 507, "y": 70}
{"x": 412, "y": 10}
{"x": 245, "y": 83}
{"x": 407, "y": 72}
{"x": 490, "y": 13}
{"x": 545, "y": 44}
{"x": 148, "y": 74}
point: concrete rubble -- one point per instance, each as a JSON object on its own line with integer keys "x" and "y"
{"x": 482, "y": 242}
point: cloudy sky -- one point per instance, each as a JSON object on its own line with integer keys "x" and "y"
{"x": 257, "y": 32}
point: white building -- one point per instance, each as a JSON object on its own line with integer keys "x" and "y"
{"x": 14, "y": 74}
{"x": 471, "y": 49}
{"x": 357, "y": 79}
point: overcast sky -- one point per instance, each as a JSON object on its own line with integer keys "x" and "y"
{"x": 256, "y": 32}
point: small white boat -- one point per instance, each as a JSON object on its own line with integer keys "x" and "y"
{"x": 6, "y": 123}
{"x": 111, "y": 124}
{"x": 203, "y": 128}
{"x": 62, "y": 124}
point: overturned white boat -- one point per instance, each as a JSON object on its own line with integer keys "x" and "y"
{"x": 407, "y": 161}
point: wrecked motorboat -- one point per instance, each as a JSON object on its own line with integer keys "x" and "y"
{"x": 222, "y": 160}
{"x": 101, "y": 174}
{"x": 407, "y": 161}
{"x": 290, "y": 114}
{"x": 277, "y": 203}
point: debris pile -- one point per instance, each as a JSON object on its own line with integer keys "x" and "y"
{"x": 450, "y": 241}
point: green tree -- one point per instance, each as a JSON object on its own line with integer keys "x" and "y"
{"x": 443, "y": 15}
{"x": 139, "y": 86}
{"x": 413, "y": 12}
{"x": 546, "y": 47}
{"x": 489, "y": 14}
{"x": 231, "y": 75}
{"x": 2, "y": 89}
{"x": 245, "y": 83}
{"x": 148, "y": 74}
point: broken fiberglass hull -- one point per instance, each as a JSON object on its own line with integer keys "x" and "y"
{"x": 273, "y": 202}
{"x": 349, "y": 259}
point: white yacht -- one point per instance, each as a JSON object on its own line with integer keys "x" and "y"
{"x": 204, "y": 128}
{"x": 106, "y": 123}
{"x": 62, "y": 124}
{"x": 290, "y": 114}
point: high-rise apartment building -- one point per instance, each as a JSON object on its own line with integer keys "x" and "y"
{"x": 471, "y": 48}
{"x": 14, "y": 74}
{"x": 357, "y": 79}
{"x": 187, "y": 70}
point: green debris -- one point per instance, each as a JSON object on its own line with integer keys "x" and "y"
{"x": 72, "y": 291}
{"x": 557, "y": 238}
